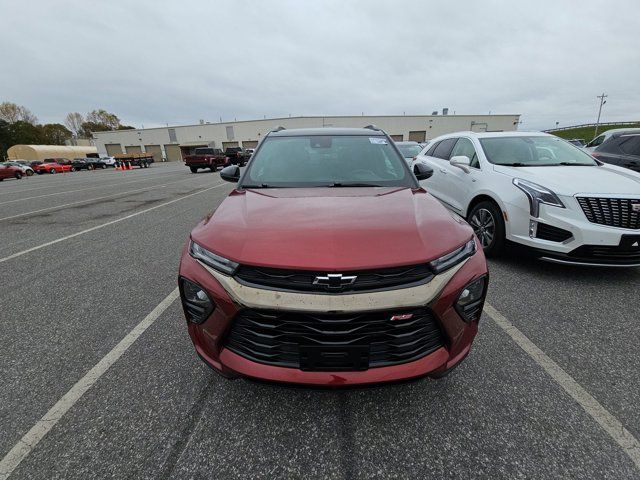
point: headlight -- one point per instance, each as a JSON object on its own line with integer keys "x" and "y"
{"x": 449, "y": 260}
{"x": 471, "y": 299}
{"x": 537, "y": 194}
{"x": 214, "y": 261}
{"x": 195, "y": 301}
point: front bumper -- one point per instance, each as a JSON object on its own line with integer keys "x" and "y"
{"x": 588, "y": 244}
{"x": 209, "y": 337}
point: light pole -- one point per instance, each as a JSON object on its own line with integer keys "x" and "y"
{"x": 602, "y": 102}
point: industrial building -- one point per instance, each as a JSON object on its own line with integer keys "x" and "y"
{"x": 172, "y": 143}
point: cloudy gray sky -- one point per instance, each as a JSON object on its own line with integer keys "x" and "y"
{"x": 153, "y": 62}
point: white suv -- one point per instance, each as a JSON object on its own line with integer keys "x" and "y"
{"x": 538, "y": 190}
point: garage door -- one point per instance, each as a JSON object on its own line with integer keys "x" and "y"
{"x": 155, "y": 150}
{"x": 418, "y": 136}
{"x": 173, "y": 153}
{"x": 396, "y": 138}
{"x": 226, "y": 145}
{"x": 113, "y": 149}
{"x": 250, "y": 144}
{"x": 133, "y": 149}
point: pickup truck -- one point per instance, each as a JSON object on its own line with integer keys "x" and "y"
{"x": 236, "y": 156}
{"x": 206, "y": 157}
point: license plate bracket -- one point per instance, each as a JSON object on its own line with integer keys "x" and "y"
{"x": 334, "y": 358}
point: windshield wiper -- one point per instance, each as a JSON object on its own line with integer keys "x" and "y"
{"x": 354, "y": 184}
{"x": 515, "y": 164}
{"x": 262, "y": 185}
{"x": 571, "y": 164}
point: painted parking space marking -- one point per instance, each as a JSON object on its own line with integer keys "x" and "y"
{"x": 43, "y": 426}
{"x": 102, "y": 225}
{"x": 88, "y": 200}
{"x": 594, "y": 409}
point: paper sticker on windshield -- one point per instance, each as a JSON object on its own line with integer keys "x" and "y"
{"x": 378, "y": 141}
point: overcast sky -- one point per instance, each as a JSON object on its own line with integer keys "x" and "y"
{"x": 153, "y": 62}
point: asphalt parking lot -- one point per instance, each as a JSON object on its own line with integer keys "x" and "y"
{"x": 550, "y": 389}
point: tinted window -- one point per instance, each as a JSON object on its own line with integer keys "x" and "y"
{"x": 432, "y": 149}
{"x": 465, "y": 147}
{"x": 630, "y": 144}
{"x": 533, "y": 151}
{"x": 320, "y": 161}
{"x": 204, "y": 151}
{"x": 596, "y": 141}
{"x": 443, "y": 150}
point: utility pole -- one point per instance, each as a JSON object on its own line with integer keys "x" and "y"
{"x": 602, "y": 102}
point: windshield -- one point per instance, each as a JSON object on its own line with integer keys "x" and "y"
{"x": 203, "y": 151}
{"x": 332, "y": 160}
{"x": 533, "y": 152}
{"x": 409, "y": 151}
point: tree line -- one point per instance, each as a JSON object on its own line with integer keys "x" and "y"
{"x": 19, "y": 126}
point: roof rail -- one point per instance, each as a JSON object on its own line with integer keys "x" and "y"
{"x": 279, "y": 128}
{"x": 373, "y": 127}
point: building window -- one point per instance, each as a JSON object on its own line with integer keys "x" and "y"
{"x": 230, "y": 135}
{"x": 172, "y": 135}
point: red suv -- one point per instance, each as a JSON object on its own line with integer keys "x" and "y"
{"x": 330, "y": 265}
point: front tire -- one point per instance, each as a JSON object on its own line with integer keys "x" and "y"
{"x": 29, "y": 173}
{"x": 488, "y": 224}
{"x": 193, "y": 169}
{"x": 52, "y": 171}
{"x": 18, "y": 175}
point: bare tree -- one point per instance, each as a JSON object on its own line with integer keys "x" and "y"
{"x": 73, "y": 122}
{"x": 101, "y": 117}
{"x": 12, "y": 113}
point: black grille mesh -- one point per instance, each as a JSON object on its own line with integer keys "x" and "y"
{"x": 614, "y": 212}
{"x": 275, "y": 337}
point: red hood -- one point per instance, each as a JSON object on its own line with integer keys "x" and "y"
{"x": 331, "y": 228}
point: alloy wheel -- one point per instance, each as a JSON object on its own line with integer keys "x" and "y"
{"x": 484, "y": 226}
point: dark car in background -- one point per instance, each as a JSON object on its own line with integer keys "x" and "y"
{"x": 81, "y": 164}
{"x": 236, "y": 156}
{"x": 621, "y": 149}
{"x": 96, "y": 163}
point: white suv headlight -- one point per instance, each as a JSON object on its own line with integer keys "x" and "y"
{"x": 216, "y": 262}
{"x": 537, "y": 194}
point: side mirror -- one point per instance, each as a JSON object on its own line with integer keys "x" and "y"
{"x": 422, "y": 171}
{"x": 230, "y": 173}
{"x": 461, "y": 161}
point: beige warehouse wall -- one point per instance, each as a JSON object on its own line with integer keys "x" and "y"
{"x": 255, "y": 130}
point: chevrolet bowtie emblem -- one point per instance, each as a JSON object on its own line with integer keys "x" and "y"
{"x": 335, "y": 280}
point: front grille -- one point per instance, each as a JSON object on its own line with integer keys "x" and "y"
{"x": 551, "y": 233}
{"x": 303, "y": 280}
{"x": 614, "y": 212}
{"x": 613, "y": 255}
{"x": 288, "y": 339}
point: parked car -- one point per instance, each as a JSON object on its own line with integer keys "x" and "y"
{"x": 108, "y": 161}
{"x": 9, "y": 171}
{"x": 328, "y": 265}
{"x": 578, "y": 142}
{"x": 409, "y": 150}
{"x": 621, "y": 149}
{"x": 22, "y": 165}
{"x": 81, "y": 164}
{"x": 96, "y": 163}
{"x": 537, "y": 190}
{"x": 205, "y": 157}
{"x": 249, "y": 152}
{"x": 591, "y": 146}
{"x": 50, "y": 166}
{"x": 33, "y": 163}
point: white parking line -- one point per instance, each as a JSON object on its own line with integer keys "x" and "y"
{"x": 95, "y": 187}
{"x": 43, "y": 426}
{"x": 97, "y": 227}
{"x": 601, "y": 415}
{"x": 79, "y": 202}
